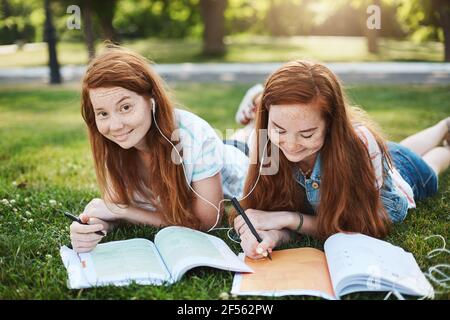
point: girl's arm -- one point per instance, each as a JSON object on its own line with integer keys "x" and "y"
{"x": 136, "y": 215}
{"x": 107, "y": 210}
{"x": 210, "y": 189}
{"x": 309, "y": 226}
{"x": 278, "y": 220}
{"x": 102, "y": 215}
{"x": 274, "y": 227}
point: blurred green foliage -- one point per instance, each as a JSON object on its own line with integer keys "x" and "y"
{"x": 22, "y": 20}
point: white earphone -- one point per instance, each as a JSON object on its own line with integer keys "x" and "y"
{"x": 187, "y": 180}
{"x": 153, "y": 104}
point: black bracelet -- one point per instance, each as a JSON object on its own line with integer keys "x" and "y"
{"x": 300, "y": 223}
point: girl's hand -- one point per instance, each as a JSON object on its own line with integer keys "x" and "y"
{"x": 265, "y": 220}
{"x": 255, "y": 250}
{"x": 98, "y": 208}
{"x": 83, "y": 237}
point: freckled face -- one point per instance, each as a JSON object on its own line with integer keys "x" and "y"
{"x": 297, "y": 129}
{"x": 122, "y": 116}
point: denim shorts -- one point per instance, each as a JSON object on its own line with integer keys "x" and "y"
{"x": 416, "y": 172}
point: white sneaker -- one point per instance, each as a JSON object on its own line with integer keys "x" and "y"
{"x": 244, "y": 112}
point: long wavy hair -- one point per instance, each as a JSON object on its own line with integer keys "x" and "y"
{"x": 349, "y": 197}
{"x": 164, "y": 186}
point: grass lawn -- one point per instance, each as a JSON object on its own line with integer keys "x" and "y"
{"x": 243, "y": 49}
{"x": 46, "y": 166}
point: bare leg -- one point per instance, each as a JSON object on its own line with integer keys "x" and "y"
{"x": 425, "y": 140}
{"x": 438, "y": 159}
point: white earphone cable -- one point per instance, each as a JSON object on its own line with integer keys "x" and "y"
{"x": 187, "y": 180}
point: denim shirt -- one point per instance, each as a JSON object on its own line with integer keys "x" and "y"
{"x": 395, "y": 203}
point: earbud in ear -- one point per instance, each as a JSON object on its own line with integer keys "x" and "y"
{"x": 153, "y": 104}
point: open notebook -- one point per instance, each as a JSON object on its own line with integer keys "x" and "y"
{"x": 351, "y": 263}
{"x": 175, "y": 251}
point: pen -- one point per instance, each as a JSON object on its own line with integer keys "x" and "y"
{"x": 239, "y": 209}
{"x": 73, "y": 218}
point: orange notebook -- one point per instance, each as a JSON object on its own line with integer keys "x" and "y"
{"x": 350, "y": 263}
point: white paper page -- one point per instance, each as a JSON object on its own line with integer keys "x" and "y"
{"x": 183, "y": 248}
{"x": 384, "y": 266}
{"x": 76, "y": 278}
{"x": 118, "y": 263}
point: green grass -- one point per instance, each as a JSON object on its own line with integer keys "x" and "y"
{"x": 45, "y": 155}
{"x": 245, "y": 49}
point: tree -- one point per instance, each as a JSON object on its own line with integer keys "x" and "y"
{"x": 158, "y": 18}
{"x": 213, "y": 14}
{"x": 88, "y": 28}
{"x": 427, "y": 19}
{"x": 87, "y": 24}
{"x": 50, "y": 38}
{"x": 290, "y": 17}
{"x": 15, "y": 24}
{"x": 372, "y": 33}
{"x": 105, "y": 11}
{"x": 442, "y": 11}
{"x": 95, "y": 13}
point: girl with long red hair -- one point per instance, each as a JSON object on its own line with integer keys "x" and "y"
{"x": 335, "y": 171}
{"x": 130, "y": 120}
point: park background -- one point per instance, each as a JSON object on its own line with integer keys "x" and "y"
{"x": 209, "y": 52}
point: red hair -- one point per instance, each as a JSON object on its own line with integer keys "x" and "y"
{"x": 349, "y": 198}
{"x": 164, "y": 186}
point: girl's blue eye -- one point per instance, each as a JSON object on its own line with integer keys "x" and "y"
{"x": 102, "y": 114}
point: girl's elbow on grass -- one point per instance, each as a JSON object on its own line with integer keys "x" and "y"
{"x": 210, "y": 219}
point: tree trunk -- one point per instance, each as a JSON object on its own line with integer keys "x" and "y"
{"x": 442, "y": 8}
{"x": 212, "y": 12}
{"x": 372, "y": 34}
{"x": 88, "y": 29}
{"x": 6, "y": 7}
{"x": 372, "y": 41}
{"x": 109, "y": 33}
{"x": 105, "y": 12}
{"x": 50, "y": 38}
{"x": 273, "y": 23}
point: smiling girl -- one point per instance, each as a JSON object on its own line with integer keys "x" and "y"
{"x": 336, "y": 173}
{"x": 130, "y": 120}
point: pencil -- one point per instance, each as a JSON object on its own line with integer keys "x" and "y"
{"x": 73, "y": 218}
{"x": 241, "y": 211}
